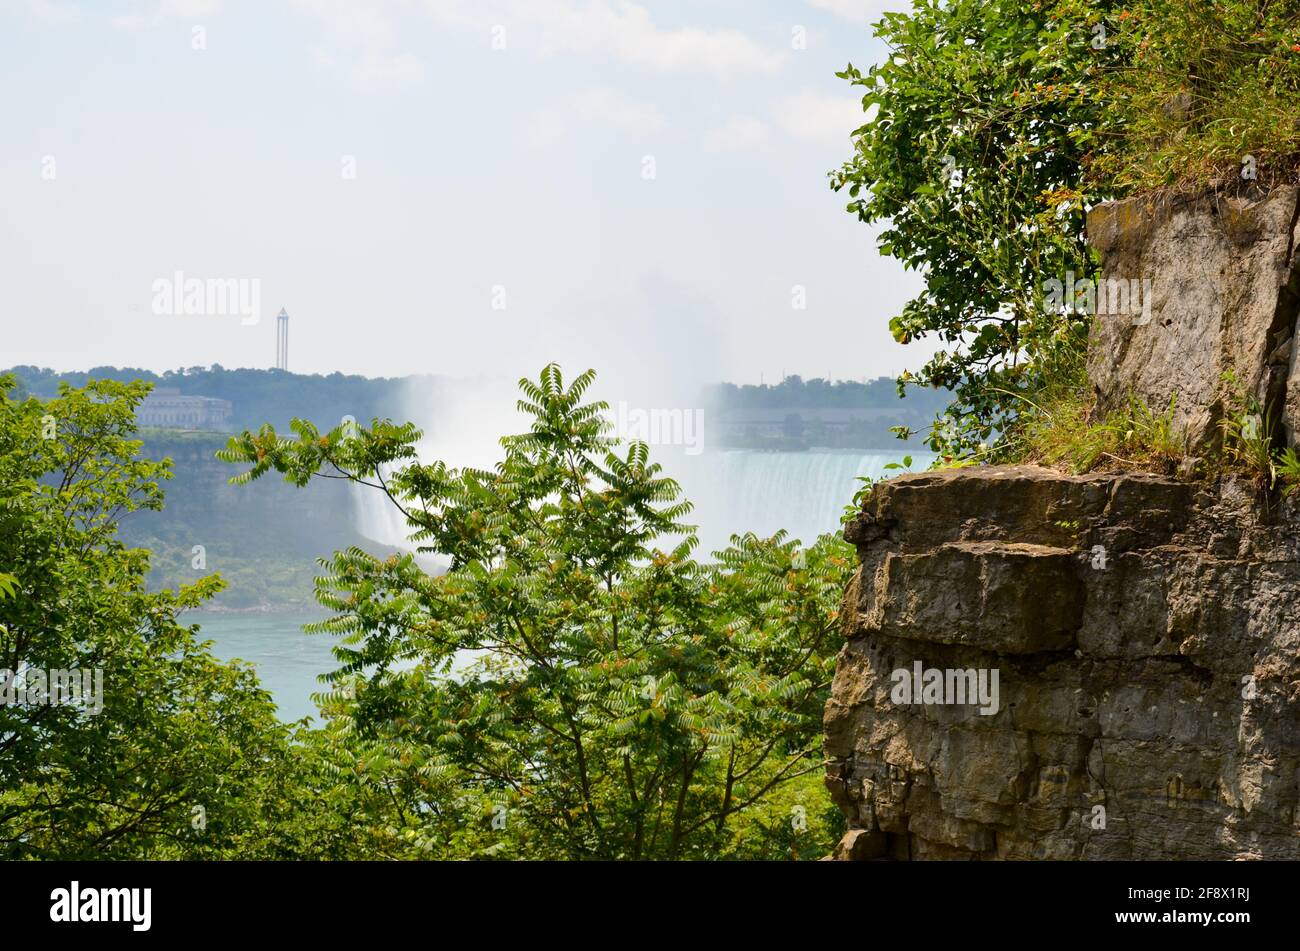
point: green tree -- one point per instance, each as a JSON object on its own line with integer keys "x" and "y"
{"x": 994, "y": 125}
{"x": 981, "y": 122}
{"x": 179, "y": 754}
{"x": 576, "y": 684}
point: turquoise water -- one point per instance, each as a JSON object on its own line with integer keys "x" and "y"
{"x": 287, "y": 660}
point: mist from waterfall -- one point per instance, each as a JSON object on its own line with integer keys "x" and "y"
{"x": 733, "y": 491}
{"x": 463, "y": 421}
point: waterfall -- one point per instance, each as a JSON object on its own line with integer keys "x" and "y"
{"x": 804, "y": 493}
{"x": 378, "y": 519}
{"x": 733, "y": 491}
{"x": 463, "y": 421}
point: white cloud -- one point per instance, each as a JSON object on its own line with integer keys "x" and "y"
{"x": 819, "y": 118}
{"x": 605, "y": 107}
{"x": 626, "y": 31}
{"x": 364, "y": 36}
{"x": 621, "y": 29}
{"x": 182, "y": 9}
{"x": 189, "y": 8}
{"x": 861, "y": 11}
{"x": 458, "y": 11}
{"x": 377, "y": 69}
{"x": 737, "y": 134}
{"x": 53, "y": 13}
{"x": 362, "y": 23}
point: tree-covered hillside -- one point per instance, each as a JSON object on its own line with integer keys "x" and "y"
{"x": 264, "y": 545}
{"x": 820, "y": 393}
{"x": 259, "y": 396}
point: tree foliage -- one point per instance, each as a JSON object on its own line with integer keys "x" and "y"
{"x": 181, "y": 755}
{"x": 576, "y": 684}
{"x": 980, "y": 123}
{"x": 994, "y": 125}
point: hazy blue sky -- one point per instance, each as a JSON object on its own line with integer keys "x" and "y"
{"x": 513, "y": 175}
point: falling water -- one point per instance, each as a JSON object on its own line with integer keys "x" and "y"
{"x": 377, "y": 518}
{"x": 733, "y": 492}
{"x": 804, "y": 493}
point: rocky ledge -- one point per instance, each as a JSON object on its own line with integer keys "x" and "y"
{"x": 1045, "y": 666}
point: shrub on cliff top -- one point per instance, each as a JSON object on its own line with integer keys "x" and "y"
{"x": 992, "y": 128}
{"x": 1204, "y": 92}
{"x": 979, "y": 127}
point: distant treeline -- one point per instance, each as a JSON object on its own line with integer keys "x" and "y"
{"x": 259, "y": 396}
{"x": 796, "y": 392}
{"x": 276, "y": 396}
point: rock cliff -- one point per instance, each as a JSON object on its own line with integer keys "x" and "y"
{"x": 1191, "y": 287}
{"x": 1046, "y": 666}
{"x": 1146, "y": 639}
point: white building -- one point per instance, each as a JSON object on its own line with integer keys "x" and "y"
{"x": 166, "y": 407}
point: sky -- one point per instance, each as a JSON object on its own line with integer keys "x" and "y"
{"x": 455, "y": 187}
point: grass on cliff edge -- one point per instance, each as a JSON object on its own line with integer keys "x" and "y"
{"x": 1064, "y": 430}
{"x": 1058, "y": 424}
{"x": 1061, "y": 427}
{"x": 1201, "y": 92}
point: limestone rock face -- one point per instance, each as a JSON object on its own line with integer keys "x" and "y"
{"x": 1146, "y": 639}
{"x": 1218, "y": 280}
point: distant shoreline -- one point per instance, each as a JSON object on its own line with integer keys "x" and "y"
{"x": 278, "y": 608}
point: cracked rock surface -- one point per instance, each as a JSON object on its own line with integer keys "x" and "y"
{"x": 1146, "y": 634}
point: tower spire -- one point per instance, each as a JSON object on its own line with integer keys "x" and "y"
{"x": 282, "y": 340}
